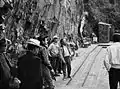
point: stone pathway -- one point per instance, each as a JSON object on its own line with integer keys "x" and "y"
{"x": 93, "y": 68}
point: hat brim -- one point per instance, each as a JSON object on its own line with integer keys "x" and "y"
{"x": 55, "y": 37}
{"x": 116, "y": 34}
{"x": 32, "y": 43}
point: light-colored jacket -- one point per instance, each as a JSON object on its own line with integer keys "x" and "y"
{"x": 113, "y": 56}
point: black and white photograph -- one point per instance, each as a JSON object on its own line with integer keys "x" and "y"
{"x": 59, "y": 44}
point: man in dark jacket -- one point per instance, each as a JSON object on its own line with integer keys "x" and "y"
{"x": 5, "y": 73}
{"x": 46, "y": 65}
{"x": 29, "y": 67}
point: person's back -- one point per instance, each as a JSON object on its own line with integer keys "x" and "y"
{"x": 29, "y": 69}
{"x": 115, "y": 53}
{"x": 112, "y": 62}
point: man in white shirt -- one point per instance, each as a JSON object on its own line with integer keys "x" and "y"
{"x": 112, "y": 62}
{"x": 67, "y": 58}
{"x": 54, "y": 54}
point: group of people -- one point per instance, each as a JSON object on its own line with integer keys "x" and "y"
{"x": 38, "y": 67}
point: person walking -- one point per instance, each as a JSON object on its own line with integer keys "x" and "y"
{"x": 112, "y": 62}
{"x": 53, "y": 51}
{"x": 30, "y": 67}
{"x": 67, "y": 58}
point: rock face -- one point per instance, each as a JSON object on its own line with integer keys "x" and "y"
{"x": 25, "y": 18}
{"x": 103, "y": 11}
{"x": 60, "y": 17}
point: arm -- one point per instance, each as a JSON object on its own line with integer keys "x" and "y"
{"x": 5, "y": 67}
{"x": 19, "y": 72}
{"x": 61, "y": 55}
{"x": 107, "y": 60}
{"x": 46, "y": 58}
{"x": 49, "y": 49}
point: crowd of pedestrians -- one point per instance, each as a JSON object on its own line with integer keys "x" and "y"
{"x": 28, "y": 61}
{"x": 36, "y": 64}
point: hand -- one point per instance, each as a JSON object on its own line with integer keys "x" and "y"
{"x": 70, "y": 56}
{"x": 64, "y": 62}
{"x": 52, "y": 71}
{"x": 15, "y": 83}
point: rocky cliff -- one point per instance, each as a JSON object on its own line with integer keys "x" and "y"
{"x": 59, "y": 17}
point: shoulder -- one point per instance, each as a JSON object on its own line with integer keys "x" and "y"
{"x": 22, "y": 56}
{"x": 43, "y": 48}
{"x": 20, "y": 59}
{"x": 109, "y": 48}
{"x": 36, "y": 57}
{"x": 113, "y": 47}
{"x": 51, "y": 44}
{"x": 1, "y": 57}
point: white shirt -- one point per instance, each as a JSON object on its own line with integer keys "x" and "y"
{"x": 54, "y": 48}
{"x": 66, "y": 52}
{"x": 113, "y": 56}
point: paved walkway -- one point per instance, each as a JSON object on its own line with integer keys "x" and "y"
{"x": 88, "y": 71}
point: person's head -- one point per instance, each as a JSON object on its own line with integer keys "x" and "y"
{"x": 33, "y": 45}
{"x": 63, "y": 42}
{"x": 3, "y": 45}
{"x": 43, "y": 40}
{"x": 116, "y": 37}
{"x": 55, "y": 39}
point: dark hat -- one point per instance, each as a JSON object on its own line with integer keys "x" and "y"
{"x": 116, "y": 37}
{"x": 116, "y": 33}
{"x": 2, "y": 42}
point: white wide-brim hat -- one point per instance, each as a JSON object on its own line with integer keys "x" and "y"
{"x": 55, "y": 37}
{"x": 34, "y": 42}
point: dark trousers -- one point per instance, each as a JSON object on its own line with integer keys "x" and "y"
{"x": 31, "y": 86}
{"x": 114, "y": 78}
{"x": 60, "y": 66}
{"x": 55, "y": 63}
{"x": 47, "y": 77}
{"x": 64, "y": 68}
{"x": 4, "y": 85}
{"x": 67, "y": 66}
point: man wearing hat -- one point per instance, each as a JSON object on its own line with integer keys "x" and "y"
{"x": 112, "y": 62}
{"x": 29, "y": 67}
{"x": 47, "y": 69}
{"x": 54, "y": 54}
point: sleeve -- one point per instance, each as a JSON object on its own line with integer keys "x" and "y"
{"x": 46, "y": 61}
{"x": 49, "y": 49}
{"x": 61, "y": 54}
{"x": 107, "y": 60}
{"x": 19, "y": 69}
{"x": 5, "y": 68}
